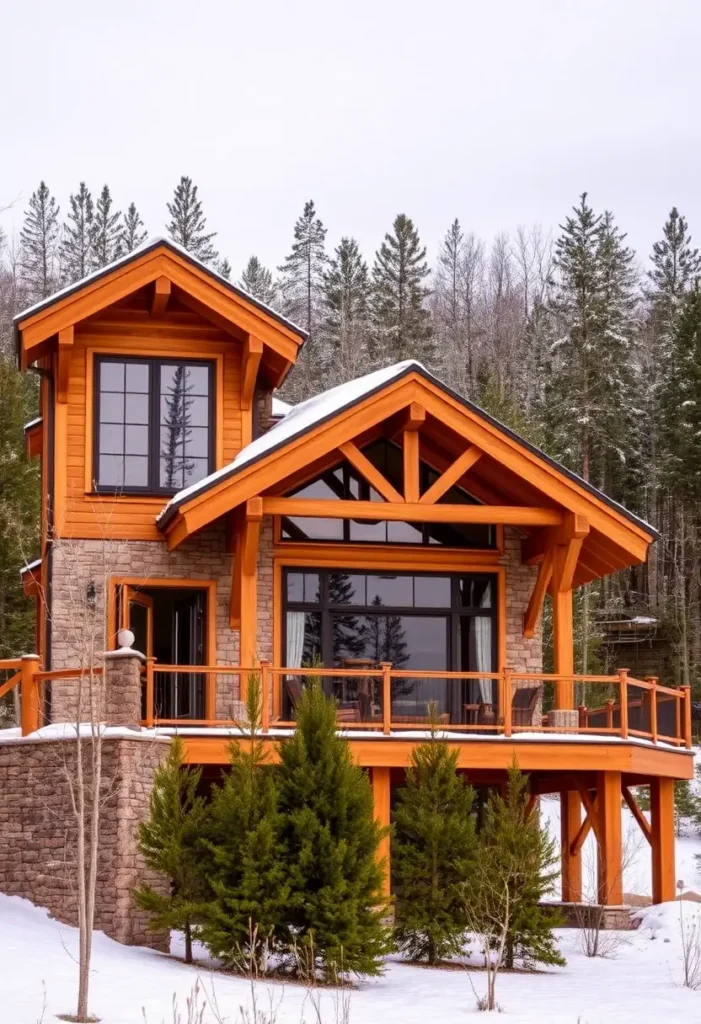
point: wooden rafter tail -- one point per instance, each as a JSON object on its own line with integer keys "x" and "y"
{"x": 540, "y": 589}
{"x": 462, "y": 465}
{"x": 370, "y": 473}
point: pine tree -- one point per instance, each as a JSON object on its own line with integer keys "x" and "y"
{"x": 131, "y": 234}
{"x": 176, "y": 430}
{"x": 447, "y": 301}
{"x": 224, "y": 269}
{"x": 331, "y": 840}
{"x": 169, "y": 842}
{"x": 77, "y": 245}
{"x": 39, "y": 244}
{"x": 515, "y": 849}
{"x": 402, "y": 321}
{"x": 301, "y": 287}
{"x": 246, "y": 873}
{"x": 681, "y": 403}
{"x": 188, "y": 223}
{"x": 257, "y": 280}
{"x": 106, "y": 231}
{"x": 433, "y": 850}
{"x": 675, "y": 268}
{"x": 346, "y": 312}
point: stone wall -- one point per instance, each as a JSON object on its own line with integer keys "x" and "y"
{"x": 522, "y": 655}
{"x": 38, "y": 831}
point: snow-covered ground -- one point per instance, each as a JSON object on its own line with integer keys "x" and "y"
{"x": 641, "y": 982}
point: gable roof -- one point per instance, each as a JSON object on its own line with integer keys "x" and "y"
{"x": 147, "y": 246}
{"x": 306, "y": 416}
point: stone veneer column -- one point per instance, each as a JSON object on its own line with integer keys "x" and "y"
{"x": 123, "y": 683}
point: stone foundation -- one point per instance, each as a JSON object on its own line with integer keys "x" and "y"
{"x": 38, "y": 832}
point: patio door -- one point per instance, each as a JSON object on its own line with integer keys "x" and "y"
{"x": 136, "y": 614}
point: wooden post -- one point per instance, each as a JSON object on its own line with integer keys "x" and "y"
{"x": 210, "y": 697}
{"x": 381, "y": 799}
{"x": 687, "y": 716}
{"x": 610, "y": 852}
{"x": 570, "y": 823}
{"x": 609, "y": 713}
{"x": 386, "y": 697}
{"x": 508, "y": 699}
{"x": 623, "y": 700}
{"x": 150, "y": 691}
{"x": 662, "y": 825}
{"x": 29, "y": 694}
{"x": 264, "y": 696}
{"x": 248, "y": 554}
{"x": 563, "y": 637}
{"x": 653, "y": 707}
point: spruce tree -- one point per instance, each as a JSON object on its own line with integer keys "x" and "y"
{"x": 187, "y": 225}
{"x": 224, "y": 268}
{"x": 257, "y": 280}
{"x": 447, "y": 304}
{"x": 78, "y": 237}
{"x": 515, "y": 850}
{"x": 39, "y": 244}
{"x": 675, "y": 268}
{"x": 106, "y": 231}
{"x": 433, "y": 850}
{"x": 169, "y": 842}
{"x": 346, "y": 312}
{"x": 681, "y": 403}
{"x": 132, "y": 232}
{"x": 401, "y": 320}
{"x": 246, "y": 874}
{"x": 330, "y": 840}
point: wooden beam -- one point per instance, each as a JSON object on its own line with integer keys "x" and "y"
{"x": 535, "y": 604}
{"x": 412, "y": 468}
{"x": 572, "y": 526}
{"x": 610, "y": 860}
{"x": 570, "y": 823}
{"x": 513, "y": 515}
{"x": 252, "y": 355}
{"x": 452, "y": 474}
{"x": 412, "y": 417}
{"x": 381, "y": 812}
{"x": 662, "y": 815}
{"x": 370, "y": 473}
{"x": 160, "y": 297}
{"x": 63, "y": 361}
{"x": 637, "y": 814}
{"x": 251, "y": 536}
{"x": 592, "y": 813}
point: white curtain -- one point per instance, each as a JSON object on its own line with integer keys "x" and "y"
{"x": 483, "y": 655}
{"x": 295, "y": 639}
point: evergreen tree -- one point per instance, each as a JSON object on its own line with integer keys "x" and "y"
{"x": 402, "y": 321}
{"x": 448, "y": 312}
{"x": 432, "y": 853}
{"x": 106, "y": 231}
{"x": 169, "y": 842}
{"x": 681, "y": 403}
{"x": 301, "y": 287}
{"x": 675, "y": 268}
{"x": 257, "y": 280}
{"x": 39, "y": 244}
{"x": 187, "y": 224}
{"x": 346, "y": 312}
{"x": 77, "y": 244}
{"x": 330, "y": 840}
{"x": 515, "y": 849}
{"x": 176, "y": 430}
{"x": 224, "y": 269}
{"x": 132, "y": 233}
{"x": 246, "y": 873}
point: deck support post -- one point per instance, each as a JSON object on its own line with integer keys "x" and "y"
{"x": 247, "y": 575}
{"x": 570, "y": 823}
{"x": 662, "y": 815}
{"x": 380, "y": 799}
{"x": 610, "y": 851}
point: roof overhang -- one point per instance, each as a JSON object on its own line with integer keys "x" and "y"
{"x": 205, "y": 291}
{"x": 555, "y": 505}
{"x": 31, "y": 577}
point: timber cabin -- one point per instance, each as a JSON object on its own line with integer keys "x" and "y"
{"x": 388, "y": 529}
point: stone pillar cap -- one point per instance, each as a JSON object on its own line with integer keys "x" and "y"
{"x": 125, "y": 638}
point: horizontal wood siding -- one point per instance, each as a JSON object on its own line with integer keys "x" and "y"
{"x": 82, "y": 513}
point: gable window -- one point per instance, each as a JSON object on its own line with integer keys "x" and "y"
{"x": 154, "y": 424}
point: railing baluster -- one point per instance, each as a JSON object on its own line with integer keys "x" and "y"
{"x": 652, "y": 694}
{"x": 687, "y": 716}
{"x": 610, "y": 704}
{"x": 150, "y": 693}
{"x": 623, "y": 700}
{"x": 386, "y": 667}
{"x": 507, "y": 698}
{"x": 264, "y": 701}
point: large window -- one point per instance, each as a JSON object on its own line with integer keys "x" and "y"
{"x": 422, "y": 622}
{"x": 344, "y": 482}
{"x": 154, "y": 424}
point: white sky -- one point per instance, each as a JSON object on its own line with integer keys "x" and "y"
{"x": 499, "y": 112}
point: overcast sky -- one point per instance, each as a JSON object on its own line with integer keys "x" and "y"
{"x": 498, "y": 113}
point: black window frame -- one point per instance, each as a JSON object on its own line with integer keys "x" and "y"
{"x": 454, "y": 612}
{"x": 154, "y": 363}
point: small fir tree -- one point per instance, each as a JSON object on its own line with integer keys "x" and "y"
{"x": 106, "y": 231}
{"x": 246, "y": 874}
{"x": 188, "y": 224}
{"x": 432, "y": 853}
{"x": 78, "y": 236}
{"x": 330, "y": 840}
{"x": 39, "y": 244}
{"x": 170, "y": 844}
{"x": 514, "y": 848}
{"x": 132, "y": 232}
{"x": 402, "y": 321}
{"x": 346, "y": 312}
{"x": 257, "y": 280}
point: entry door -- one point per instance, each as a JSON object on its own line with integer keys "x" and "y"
{"x": 189, "y": 649}
{"x": 137, "y": 615}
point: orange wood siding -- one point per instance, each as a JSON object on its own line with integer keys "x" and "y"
{"x": 177, "y": 334}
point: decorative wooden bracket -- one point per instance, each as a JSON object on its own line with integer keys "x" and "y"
{"x": 573, "y": 527}
{"x": 63, "y": 359}
{"x": 637, "y": 813}
{"x": 370, "y": 472}
{"x": 591, "y": 820}
{"x": 535, "y": 605}
{"x": 252, "y": 355}
{"x": 160, "y": 297}
{"x": 451, "y": 475}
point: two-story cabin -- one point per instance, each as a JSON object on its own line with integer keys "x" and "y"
{"x": 388, "y": 530}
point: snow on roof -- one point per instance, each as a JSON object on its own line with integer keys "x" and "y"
{"x": 299, "y": 419}
{"x": 280, "y": 408}
{"x": 30, "y": 566}
{"x": 33, "y": 423}
{"x": 152, "y": 243}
